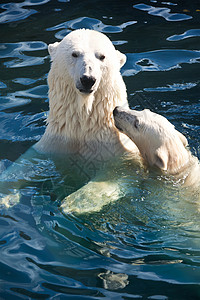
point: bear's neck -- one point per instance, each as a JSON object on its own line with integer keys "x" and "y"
{"x": 82, "y": 118}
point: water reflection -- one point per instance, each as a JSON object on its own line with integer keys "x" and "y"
{"x": 163, "y": 12}
{"x": 188, "y": 34}
{"x": 159, "y": 60}
{"x": 16, "y": 11}
{"x": 88, "y": 23}
{"x": 21, "y": 59}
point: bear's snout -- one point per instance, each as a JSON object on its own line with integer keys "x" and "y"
{"x": 87, "y": 83}
{"x": 116, "y": 114}
{"x": 115, "y": 111}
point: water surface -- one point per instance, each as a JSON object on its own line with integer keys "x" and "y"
{"x": 147, "y": 244}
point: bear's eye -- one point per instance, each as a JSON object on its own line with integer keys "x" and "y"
{"x": 101, "y": 57}
{"x": 136, "y": 123}
{"x": 75, "y": 54}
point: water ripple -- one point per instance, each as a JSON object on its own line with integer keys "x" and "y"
{"x": 187, "y": 34}
{"x": 23, "y": 97}
{"x": 17, "y": 51}
{"x": 15, "y": 11}
{"x": 90, "y": 23}
{"x": 172, "y": 87}
{"x": 162, "y": 12}
{"x": 159, "y": 60}
{"x": 25, "y": 129}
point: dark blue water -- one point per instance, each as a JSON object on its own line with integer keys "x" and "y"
{"x": 147, "y": 244}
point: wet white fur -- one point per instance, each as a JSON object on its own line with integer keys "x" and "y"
{"x": 76, "y": 119}
{"x": 160, "y": 144}
{"x": 81, "y": 123}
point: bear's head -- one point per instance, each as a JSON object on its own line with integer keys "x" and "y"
{"x": 159, "y": 142}
{"x": 87, "y": 58}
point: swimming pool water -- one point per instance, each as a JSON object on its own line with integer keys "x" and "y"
{"x": 147, "y": 244}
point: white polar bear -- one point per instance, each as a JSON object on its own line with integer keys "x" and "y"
{"x": 160, "y": 144}
{"x": 85, "y": 85}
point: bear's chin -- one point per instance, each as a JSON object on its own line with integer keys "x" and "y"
{"x": 86, "y": 92}
{"x": 85, "y": 102}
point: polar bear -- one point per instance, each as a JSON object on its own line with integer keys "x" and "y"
{"x": 85, "y": 85}
{"x": 160, "y": 144}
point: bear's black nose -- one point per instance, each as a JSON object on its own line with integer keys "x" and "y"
{"x": 87, "y": 82}
{"x": 115, "y": 111}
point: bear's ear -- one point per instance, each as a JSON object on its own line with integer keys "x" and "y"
{"x": 161, "y": 159}
{"x": 121, "y": 57}
{"x": 182, "y": 138}
{"x": 52, "y": 49}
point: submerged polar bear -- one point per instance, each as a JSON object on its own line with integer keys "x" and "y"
{"x": 160, "y": 145}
